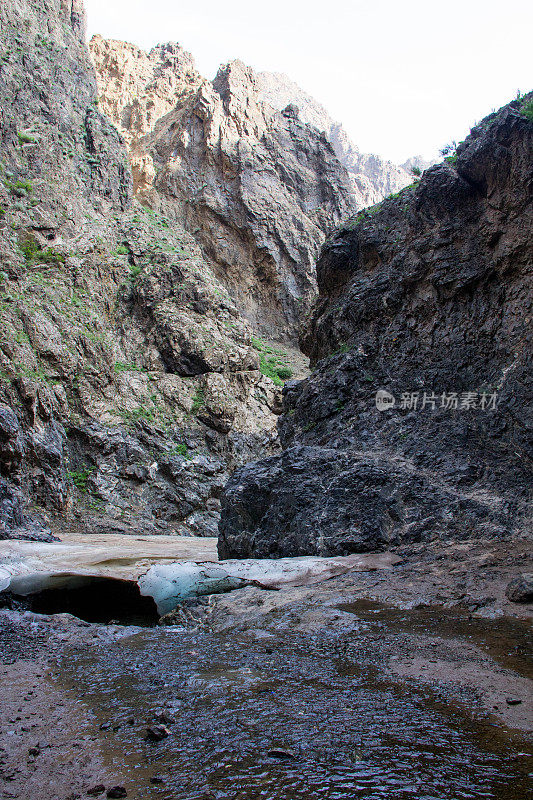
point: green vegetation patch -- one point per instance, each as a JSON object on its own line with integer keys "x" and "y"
{"x": 121, "y": 366}
{"x": 154, "y": 415}
{"x": 198, "y": 401}
{"x": 19, "y": 188}
{"x": 80, "y": 477}
{"x": 34, "y": 254}
{"x": 135, "y": 270}
{"x": 140, "y": 414}
{"x": 526, "y": 109}
{"x": 274, "y": 363}
{"x": 181, "y": 450}
{"x": 25, "y": 138}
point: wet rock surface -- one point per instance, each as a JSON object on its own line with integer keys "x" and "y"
{"x": 379, "y": 685}
{"x": 426, "y": 298}
{"x": 237, "y": 717}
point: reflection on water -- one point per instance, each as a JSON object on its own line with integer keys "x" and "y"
{"x": 508, "y": 641}
{"x": 340, "y": 727}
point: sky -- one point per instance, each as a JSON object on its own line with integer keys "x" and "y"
{"x": 404, "y": 77}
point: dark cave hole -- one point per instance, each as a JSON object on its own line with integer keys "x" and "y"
{"x": 95, "y": 599}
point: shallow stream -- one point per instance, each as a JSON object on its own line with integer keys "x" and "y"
{"x": 283, "y": 713}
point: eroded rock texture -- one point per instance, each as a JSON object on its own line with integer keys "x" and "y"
{"x": 259, "y": 189}
{"x": 256, "y": 170}
{"x": 427, "y": 293}
{"x": 129, "y": 383}
{"x": 371, "y": 176}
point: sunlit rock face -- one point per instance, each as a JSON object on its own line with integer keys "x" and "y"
{"x": 427, "y": 298}
{"x": 258, "y": 186}
{"x": 257, "y": 169}
{"x": 371, "y": 176}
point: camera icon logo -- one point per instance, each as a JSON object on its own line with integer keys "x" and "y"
{"x": 384, "y": 400}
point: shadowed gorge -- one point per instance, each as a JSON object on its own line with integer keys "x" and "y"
{"x": 425, "y": 298}
{"x": 265, "y": 417}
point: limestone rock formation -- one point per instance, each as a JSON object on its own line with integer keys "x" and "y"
{"x": 417, "y": 163}
{"x": 372, "y": 177}
{"x": 427, "y": 299}
{"x": 259, "y": 188}
{"x": 130, "y": 384}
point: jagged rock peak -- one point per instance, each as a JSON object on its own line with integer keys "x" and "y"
{"x": 235, "y": 80}
{"x": 142, "y": 87}
{"x": 259, "y": 182}
{"x": 236, "y": 84}
{"x": 259, "y": 189}
{"x": 278, "y": 91}
{"x": 373, "y": 178}
{"x": 418, "y": 163}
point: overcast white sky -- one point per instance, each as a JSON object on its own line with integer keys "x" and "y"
{"x": 403, "y": 76}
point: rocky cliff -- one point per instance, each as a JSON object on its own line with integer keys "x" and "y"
{"x": 418, "y": 164}
{"x": 130, "y": 384}
{"x": 372, "y": 177}
{"x": 256, "y": 170}
{"x": 416, "y": 423}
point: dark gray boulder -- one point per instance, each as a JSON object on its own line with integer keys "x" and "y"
{"x": 323, "y": 501}
{"x": 520, "y": 589}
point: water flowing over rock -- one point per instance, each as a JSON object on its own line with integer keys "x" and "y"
{"x": 425, "y": 298}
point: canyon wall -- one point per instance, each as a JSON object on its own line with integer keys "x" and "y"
{"x": 256, "y": 171}
{"x": 130, "y": 383}
{"x": 416, "y": 423}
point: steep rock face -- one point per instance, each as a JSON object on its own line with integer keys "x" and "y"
{"x": 372, "y": 177}
{"x": 129, "y": 382}
{"x": 426, "y": 297}
{"x": 257, "y": 188}
{"x": 417, "y": 163}
{"x": 137, "y": 89}
{"x": 259, "y": 192}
